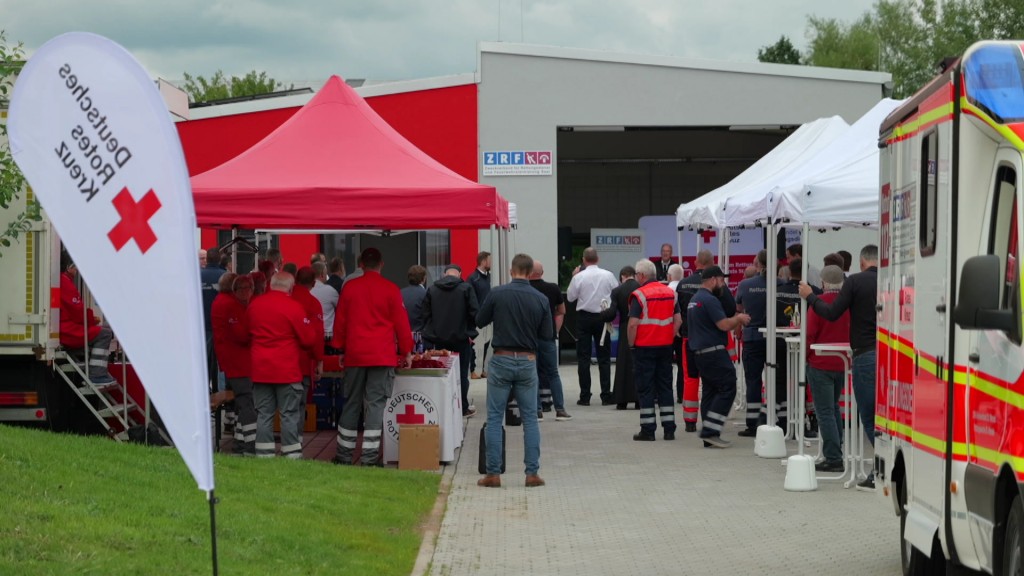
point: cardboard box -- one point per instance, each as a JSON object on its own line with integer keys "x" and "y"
{"x": 419, "y": 447}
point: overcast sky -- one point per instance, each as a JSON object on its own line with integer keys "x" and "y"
{"x": 308, "y": 40}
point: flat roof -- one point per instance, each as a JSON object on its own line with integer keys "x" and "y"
{"x": 371, "y": 88}
{"x": 759, "y": 68}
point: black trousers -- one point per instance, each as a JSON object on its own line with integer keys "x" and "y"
{"x": 588, "y": 333}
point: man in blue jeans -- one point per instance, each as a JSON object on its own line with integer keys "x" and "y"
{"x": 858, "y": 295}
{"x": 521, "y": 321}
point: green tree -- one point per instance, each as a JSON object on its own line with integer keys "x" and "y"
{"x": 833, "y": 44}
{"x": 782, "y": 52}
{"x": 12, "y": 181}
{"x": 219, "y": 87}
{"x": 909, "y": 38}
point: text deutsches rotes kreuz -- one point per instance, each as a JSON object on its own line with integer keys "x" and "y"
{"x": 92, "y": 155}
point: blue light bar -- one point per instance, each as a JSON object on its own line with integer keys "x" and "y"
{"x": 994, "y": 81}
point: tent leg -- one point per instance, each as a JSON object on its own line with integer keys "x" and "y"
{"x": 234, "y": 253}
{"x": 770, "y": 320}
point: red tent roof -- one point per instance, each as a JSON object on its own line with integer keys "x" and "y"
{"x": 337, "y": 165}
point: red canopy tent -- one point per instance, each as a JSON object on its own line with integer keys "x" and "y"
{"x": 337, "y": 165}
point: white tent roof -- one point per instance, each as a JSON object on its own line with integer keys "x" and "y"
{"x": 704, "y": 211}
{"x": 782, "y": 196}
{"x": 847, "y": 192}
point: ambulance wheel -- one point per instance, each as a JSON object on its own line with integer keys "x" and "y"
{"x": 1012, "y": 565}
{"x": 912, "y": 561}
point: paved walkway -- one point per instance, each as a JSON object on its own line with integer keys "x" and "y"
{"x": 615, "y": 506}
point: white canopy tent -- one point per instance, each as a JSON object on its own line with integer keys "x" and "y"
{"x": 849, "y": 163}
{"x": 828, "y": 177}
{"x": 704, "y": 212}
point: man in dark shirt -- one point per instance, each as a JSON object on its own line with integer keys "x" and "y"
{"x": 521, "y": 320}
{"x": 859, "y": 296}
{"x": 209, "y": 278}
{"x": 336, "y": 273}
{"x": 480, "y": 280}
{"x": 664, "y": 263}
{"x": 448, "y": 318}
{"x": 687, "y": 382}
{"x": 547, "y": 355}
{"x": 752, "y": 298}
{"x": 413, "y": 294}
{"x": 708, "y": 326}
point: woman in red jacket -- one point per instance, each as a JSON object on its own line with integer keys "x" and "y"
{"x": 825, "y": 374}
{"x": 79, "y": 327}
{"x": 231, "y": 344}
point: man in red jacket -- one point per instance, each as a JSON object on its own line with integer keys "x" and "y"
{"x": 79, "y": 327}
{"x": 280, "y": 331}
{"x": 310, "y": 363}
{"x": 231, "y": 345}
{"x": 825, "y": 374}
{"x": 372, "y": 328}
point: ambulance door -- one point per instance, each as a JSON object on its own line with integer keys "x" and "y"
{"x": 995, "y": 421}
{"x": 923, "y": 298}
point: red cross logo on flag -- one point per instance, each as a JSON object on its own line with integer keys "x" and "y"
{"x": 134, "y": 222}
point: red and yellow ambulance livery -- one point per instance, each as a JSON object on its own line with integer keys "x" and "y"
{"x": 949, "y": 445}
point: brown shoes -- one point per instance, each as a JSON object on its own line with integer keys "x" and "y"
{"x": 491, "y": 481}
{"x": 494, "y": 481}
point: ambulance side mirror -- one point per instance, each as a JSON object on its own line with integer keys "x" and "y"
{"x": 977, "y": 305}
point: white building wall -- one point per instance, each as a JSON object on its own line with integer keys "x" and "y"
{"x": 527, "y": 92}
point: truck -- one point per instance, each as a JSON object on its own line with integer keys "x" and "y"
{"x": 949, "y": 404}
{"x": 43, "y": 384}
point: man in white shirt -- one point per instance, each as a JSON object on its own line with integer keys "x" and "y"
{"x": 591, "y": 289}
{"x": 675, "y": 274}
{"x": 327, "y": 296}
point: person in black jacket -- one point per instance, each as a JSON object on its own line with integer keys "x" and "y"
{"x": 624, "y": 390}
{"x": 480, "y": 280}
{"x": 449, "y": 322}
{"x": 859, "y": 296}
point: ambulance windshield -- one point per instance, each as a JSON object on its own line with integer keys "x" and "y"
{"x": 994, "y": 81}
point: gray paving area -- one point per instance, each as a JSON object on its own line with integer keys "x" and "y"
{"x": 615, "y": 506}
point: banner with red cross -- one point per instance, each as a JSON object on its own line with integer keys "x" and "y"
{"x": 90, "y": 131}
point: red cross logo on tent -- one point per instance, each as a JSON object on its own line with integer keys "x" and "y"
{"x": 134, "y": 224}
{"x": 707, "y": 235}
{"x": 410, "y": 416}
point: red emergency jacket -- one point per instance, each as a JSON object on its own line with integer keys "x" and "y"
{"x": 371, "y": 325}
{"x": 279, "y": 330}
{"x": 315, "y": 312}
{"x": 72, "y": 316}
{"x": 821, "y": 331}
{"x": 658, "y": 303}
{"x": 231, "y": 336}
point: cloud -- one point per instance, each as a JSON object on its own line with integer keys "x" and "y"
{"x": 400, "y": 39}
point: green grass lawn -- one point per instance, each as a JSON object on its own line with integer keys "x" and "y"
{"x": 86, "y": 505}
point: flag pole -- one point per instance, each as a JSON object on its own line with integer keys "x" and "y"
{"x": 213, "y": 529}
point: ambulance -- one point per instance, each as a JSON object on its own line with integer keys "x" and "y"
{"x": 30, "y": 391}
{"x": 42, "y": 384}
{"x": 949, "y": 419}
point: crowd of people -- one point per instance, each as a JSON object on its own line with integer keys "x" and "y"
{"x": 269, "y": 331}
{"x": 692, "y": 321}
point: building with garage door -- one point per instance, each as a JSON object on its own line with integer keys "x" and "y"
{"x": 577, "y": 139}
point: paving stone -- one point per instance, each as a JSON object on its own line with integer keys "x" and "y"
{"x": 615, "y": 506}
